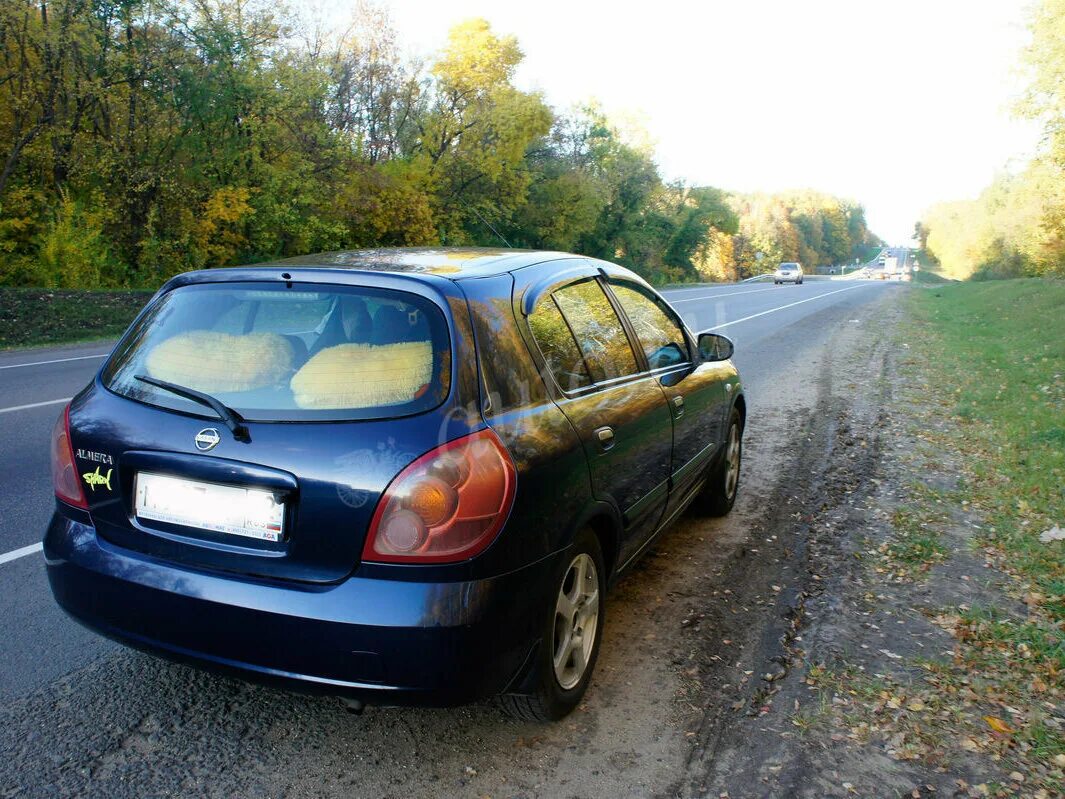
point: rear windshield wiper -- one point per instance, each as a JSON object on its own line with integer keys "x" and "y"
{"x": 233, "y": 420}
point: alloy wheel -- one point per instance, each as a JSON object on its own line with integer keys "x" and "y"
{"x": 732, "y": 460}
{"x": 576, "y": 620}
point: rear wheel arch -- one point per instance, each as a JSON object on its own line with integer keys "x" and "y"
{"x": 606, "y": 529}
{"x": 741, "y": 406}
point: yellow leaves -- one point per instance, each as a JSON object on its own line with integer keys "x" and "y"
{"x": 217, "y": 232}
{"x": 475, "y": 58}
{"x": 227, "y": 205}
{"x": 384, "y": 208}
{"x": 998, "y": 725}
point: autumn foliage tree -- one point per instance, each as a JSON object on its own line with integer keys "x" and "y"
{"x": 142, "y": 138}
{"x": 1016, "y": 227}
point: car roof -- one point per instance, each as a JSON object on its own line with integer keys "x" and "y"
{"x": 450, "y": 262}
{"x": 427, "y": 263}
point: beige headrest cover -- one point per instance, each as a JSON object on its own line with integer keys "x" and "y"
{"x": 364, "y": 375}
{"x": 219, "y": 362}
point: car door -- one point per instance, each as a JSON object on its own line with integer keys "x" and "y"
{"x": 696, "y": 391}
{"x": 617, "y": 408}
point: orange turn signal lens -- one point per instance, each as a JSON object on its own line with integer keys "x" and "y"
{"x": 433, "y": 500}
{"x": 446, "y": 506}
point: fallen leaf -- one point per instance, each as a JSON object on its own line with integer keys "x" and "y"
{"x": 998, "y": 725}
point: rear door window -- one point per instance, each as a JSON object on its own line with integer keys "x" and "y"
{"x": 274, "y": 353}
{"x": 598, "y": 331}
{"x": 553, "y": 336}
{"x": 657, "y": 330}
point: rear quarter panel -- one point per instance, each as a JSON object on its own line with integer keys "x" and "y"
{"x": 554, "y": 490}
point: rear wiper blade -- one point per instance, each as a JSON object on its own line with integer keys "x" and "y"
{"x": 233, "y": 420}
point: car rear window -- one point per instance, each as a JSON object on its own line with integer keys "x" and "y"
{"x": 274, "y": 353}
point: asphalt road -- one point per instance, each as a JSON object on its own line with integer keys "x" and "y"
{"x": 41, "y": 645}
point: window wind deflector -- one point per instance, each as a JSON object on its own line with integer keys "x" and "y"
{"x": 233, "y": 420}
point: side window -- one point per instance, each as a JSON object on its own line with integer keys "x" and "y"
{"x": 559, "y": 349}
{"x": 598, "y": 330}
{"x": 660, "y": 336}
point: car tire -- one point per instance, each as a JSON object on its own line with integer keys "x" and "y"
{"x": 719, "y": 494}
{"x": 552, "y": 692}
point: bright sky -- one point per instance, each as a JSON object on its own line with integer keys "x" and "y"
{"x": 895, "y": 103}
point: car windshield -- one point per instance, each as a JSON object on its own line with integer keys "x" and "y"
{"x": 274, "y": 353}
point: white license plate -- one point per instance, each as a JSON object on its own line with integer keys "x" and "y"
{"x": 250, "y": 512}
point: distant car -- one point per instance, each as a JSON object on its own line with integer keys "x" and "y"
{"x": 400, "y": 476}
{"x": 788, "y": 273}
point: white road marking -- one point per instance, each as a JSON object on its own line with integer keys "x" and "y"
{"x": 34, "y": 405}
{"x": 15, "y": 554}
{"x": 726, "y": 294}
{"x": 54, "y": 360}
{"x": 789, "y": 305}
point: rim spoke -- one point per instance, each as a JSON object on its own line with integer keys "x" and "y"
{"x": 579, "y": 659}
{"x": 582, "y": 573}
{"x": 565, "y": 607}
{"x": 590, "y": 608}
{"x": 562, "y": 653}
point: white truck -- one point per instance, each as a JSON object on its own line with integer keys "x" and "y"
{"x": 891, "y": 267}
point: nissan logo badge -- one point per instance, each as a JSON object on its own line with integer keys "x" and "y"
{"x": 207, "y": 439}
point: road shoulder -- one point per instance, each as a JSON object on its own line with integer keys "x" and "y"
{"x": 907, "y": 658}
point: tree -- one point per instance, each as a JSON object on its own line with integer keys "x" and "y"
{"x": 473, "y": 139}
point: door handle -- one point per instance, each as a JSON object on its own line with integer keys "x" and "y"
{"x": 678, "y": 406}
{"x": 605, "y": 436}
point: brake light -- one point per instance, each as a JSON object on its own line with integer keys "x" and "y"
{"x": 64, "y": 473}
{"x": 447, "y": 506}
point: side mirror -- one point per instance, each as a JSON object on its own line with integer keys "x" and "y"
{"x": 715, "y": 347}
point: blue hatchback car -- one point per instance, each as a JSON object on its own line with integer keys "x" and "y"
{"x": 397, "y": 476}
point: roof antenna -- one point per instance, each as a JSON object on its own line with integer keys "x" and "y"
{"x": 489, "y": 226}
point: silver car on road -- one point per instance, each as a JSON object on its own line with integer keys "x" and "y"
{"x": 789, "y": 272}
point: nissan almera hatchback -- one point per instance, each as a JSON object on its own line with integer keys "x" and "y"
{"x": 399, "y": 476}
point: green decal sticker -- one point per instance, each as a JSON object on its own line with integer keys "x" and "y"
{"x": 94, "y": 479}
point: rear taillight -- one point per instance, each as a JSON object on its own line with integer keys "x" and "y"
{"x": 446, "y": 506}
{"x": 64, "y": 473}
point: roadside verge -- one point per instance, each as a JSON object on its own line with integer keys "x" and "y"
{"x": 920, "y": 648}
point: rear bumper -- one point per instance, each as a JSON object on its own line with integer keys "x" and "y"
{"x": 381, "y": 641}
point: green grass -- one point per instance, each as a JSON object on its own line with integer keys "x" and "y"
{"x": 915, "y": 542}
{"x": 997, "y": 354}
{"x": 926, "y": 275}
{"x": 1004, "y": 640}
{"x": 36, "y": 317}
{"x": 982, "y": 380}
{"x": 866, "y": 253}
